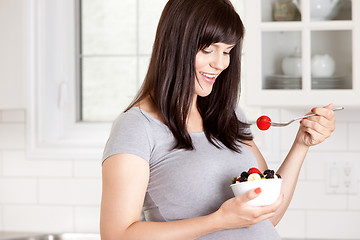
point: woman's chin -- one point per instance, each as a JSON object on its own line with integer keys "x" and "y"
{"x": 204, "y": 92}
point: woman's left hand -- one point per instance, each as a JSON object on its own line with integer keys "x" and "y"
{"x": 316, "y": 129}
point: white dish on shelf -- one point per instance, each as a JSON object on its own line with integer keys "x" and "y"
{"x": 332, "y": 82}
{"x": 283, "y": 82}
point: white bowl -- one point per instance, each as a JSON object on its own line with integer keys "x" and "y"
{"x": 270, "y": 190}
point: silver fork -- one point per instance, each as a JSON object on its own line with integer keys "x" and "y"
{"x": 275, "y": 124}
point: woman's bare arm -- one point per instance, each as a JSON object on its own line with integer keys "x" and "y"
{"x": 312, "y": 131}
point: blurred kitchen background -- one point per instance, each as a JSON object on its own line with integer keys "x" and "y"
{"x": 68, "y": 68}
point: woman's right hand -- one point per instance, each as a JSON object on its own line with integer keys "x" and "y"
{"x": 236, "y": 213}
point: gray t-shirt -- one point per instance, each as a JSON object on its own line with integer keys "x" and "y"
{"x": 183, "y": 183}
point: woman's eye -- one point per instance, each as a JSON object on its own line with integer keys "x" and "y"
{"x": 207, "y": 51}
{"x": 227, "y": 53}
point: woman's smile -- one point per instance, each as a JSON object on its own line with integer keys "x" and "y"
{"x": 210, "y": 78}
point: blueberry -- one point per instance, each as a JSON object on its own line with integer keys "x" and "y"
{"x": 244, "y": 174}
{"x": 243, "y": 179}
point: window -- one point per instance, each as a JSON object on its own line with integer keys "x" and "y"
{"x": 104, "y": 43}
{"x": 109, "y": 57}
{"x": 53, "y": 129}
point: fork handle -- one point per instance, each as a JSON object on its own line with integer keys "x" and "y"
{"x": 313, "y": 114}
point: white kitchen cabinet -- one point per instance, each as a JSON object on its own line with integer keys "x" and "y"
{"x": 13, "y": 57}
{"x": 269, "y": 41}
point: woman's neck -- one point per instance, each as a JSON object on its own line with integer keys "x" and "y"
{"x": 194, "y": 121}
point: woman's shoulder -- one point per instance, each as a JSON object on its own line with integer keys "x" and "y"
{"x": 133, "y": 118}
{"x": 240, "y": 114}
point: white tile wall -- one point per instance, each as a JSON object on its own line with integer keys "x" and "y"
{"x": 354, "y": 143}
{"x": 69, "y": 191}
{"x": 1, "y": 217}
{"x": 18, "y": 190}
{"x": 38, "y": 218}
{"x": 41, "y": 195}
{"x": 287, "y": 226}
{"x": 12, "y": 136}
{"x": 333, "y": 224}
{"x": 87, "y": 219}
{"x": 15, "y": 164}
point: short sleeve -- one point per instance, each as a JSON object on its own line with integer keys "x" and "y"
{"x": 129, "y": 134}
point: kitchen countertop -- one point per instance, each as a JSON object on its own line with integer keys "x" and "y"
{"x": 59, "y": 236}
{"x": 6, "y": 235}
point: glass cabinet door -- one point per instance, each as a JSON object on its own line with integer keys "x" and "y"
{"x": 302, "y": 49}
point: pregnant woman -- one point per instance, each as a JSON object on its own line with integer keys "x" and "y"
{"x": 173, "y": 152}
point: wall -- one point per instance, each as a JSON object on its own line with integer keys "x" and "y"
{"x": 13, "y": 55}
{"x": 64, "y": 196}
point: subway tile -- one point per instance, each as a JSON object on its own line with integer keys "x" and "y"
{"x": 1, "y": 218}
{"x": 354, "y": 132}
{"x": 15, "y": 163}
{"x": 348, "y": 115}
{"x": 333, "y": 224}
{"x": 312, "y": 195}
{"x": 13, "y": 116}
{"x": 317, "y": 163}
{"x": 70, "y": 191}
{"x": 149, "y": 16}
{"x": 287, "y": 136}
{"x": 109, "y": 27}
{"x": 87, "y": 219}
{"x": 18, "y": 190}
{"x": 34, "y": 218}
{"x": 1, "y": 163}
{"x": 354, "y": 200}
{"x": 336, "y": 142}
{"x": 12, "y": 136}
{"x": 87, "y": 168}
{"x": 292, "y": 225}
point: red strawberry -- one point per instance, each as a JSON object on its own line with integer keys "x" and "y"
{"x": 254, "y": 170}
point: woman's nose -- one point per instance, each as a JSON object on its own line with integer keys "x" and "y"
{"x": 219, "y": 62}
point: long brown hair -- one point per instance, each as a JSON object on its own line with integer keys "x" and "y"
{"x": 186, "y": 27}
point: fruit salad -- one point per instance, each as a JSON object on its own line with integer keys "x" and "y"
{"x": 255, "y": 174}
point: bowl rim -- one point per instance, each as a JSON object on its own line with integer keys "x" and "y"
{"x": 266, "y": 179}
